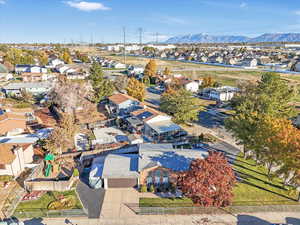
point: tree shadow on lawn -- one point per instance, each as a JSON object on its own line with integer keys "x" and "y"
{"x": 238, "y": 160}
{"x": 246, "y": 176}
{"x": 243, "y": 167}
{"x": 265, "y": 189}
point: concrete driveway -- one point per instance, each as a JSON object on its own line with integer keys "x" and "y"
{"x": 91, "y": 199}
{"x": 114, "y": 204}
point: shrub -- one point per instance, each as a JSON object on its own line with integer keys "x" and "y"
{"x": 151, "y": 188}
{"x": 75, "y": 173}
{"x": 6, "y": 178}
{"x": 172, "y": 188}
{"x": 143, "y": 188}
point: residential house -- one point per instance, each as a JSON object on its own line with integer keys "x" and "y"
{"x": 221, "y": 94}
{"x": 20, "y": 68}
{"x": 35, "y": 88}
{"x": 75, "y": 76}
{"x": 56, "y": 62}
{"x": 4, "y": 73}
{"x": 13, "y": 158}
{"x": 15, "y": 121}
{"x": 34, "y": 77}
{"x": 191, "y": 85}
{"x": 149, "y": 164}
{"x": 250, "y": 63}
{"x": 120, "y": 104}
{"x": 157, "y": 126}
{"x": 118, "y": 66}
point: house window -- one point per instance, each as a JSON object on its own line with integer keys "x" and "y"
{"x": 157, "y": 176}
{"x": 150, "y": 178}
{"x": 2, "y": 167}
{"x": 165, "y": 177}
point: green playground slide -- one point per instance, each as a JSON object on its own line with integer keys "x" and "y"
{"x": 48, "y": 170}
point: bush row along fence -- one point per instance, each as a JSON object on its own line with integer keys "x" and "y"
{"x": 34, "y": 213}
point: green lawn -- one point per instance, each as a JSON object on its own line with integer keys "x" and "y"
{"x": 257, "y": 189}
{"x": 165, "y": 202}
{"x": 44, "y": 201}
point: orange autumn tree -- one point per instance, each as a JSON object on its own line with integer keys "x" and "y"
{"x": 209, "y": 181}
{"x": 136, "y": 89}
{"x": 278, "y": 144}
{"x": 208, "y": 82}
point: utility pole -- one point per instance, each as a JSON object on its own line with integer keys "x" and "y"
{"x": 141, "y": 40}
{"x": 92, "y": 40}
{"x": 124, "y": 40}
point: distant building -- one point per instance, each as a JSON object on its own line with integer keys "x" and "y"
{"x": 4, "y": 73}
{"x": 221, "y": 94}
{"x": 20, "y": 68}
{"x": 35, "y": 88}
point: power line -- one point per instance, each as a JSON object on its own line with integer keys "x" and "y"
{"x": 141, "y": 39}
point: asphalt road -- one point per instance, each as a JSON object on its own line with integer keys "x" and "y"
{"x": 152, "y": 97}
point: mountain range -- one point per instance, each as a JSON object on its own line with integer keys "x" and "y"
{"x": 205, "y": 38}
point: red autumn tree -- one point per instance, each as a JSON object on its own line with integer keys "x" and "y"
{"x": 209, "y": 181}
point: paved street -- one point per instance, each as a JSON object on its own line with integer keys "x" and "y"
{"x": 241, "y": 219}
{"x": 152, "y": 97}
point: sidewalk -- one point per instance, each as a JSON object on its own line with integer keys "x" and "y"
{"x": 241, "y": 219}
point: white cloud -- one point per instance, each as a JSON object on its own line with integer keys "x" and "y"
{"x": 86, "y": 6}
{"x": 297, "y": 12}
{"x": 2, "y": 2}
{"x": 243, "y": 5}
{"x": 152, "y": 37}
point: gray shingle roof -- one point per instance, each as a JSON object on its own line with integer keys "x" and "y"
{"x": 166, "y": 156}
{"x": 21, "y": 85}
{"x": 120, "y": 166}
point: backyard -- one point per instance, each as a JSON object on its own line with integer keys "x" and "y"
{"x": 49, "y": 201}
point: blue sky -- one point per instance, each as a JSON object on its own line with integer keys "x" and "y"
{"x": 102, "y": 20}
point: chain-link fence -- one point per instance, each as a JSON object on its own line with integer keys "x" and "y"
{"x": 36, "y": 213}
{"x": 12, "y": 201}
{"x": 193, "y": 210}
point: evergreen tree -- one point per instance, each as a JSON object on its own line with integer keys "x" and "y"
{"x": 180, "y": 104}
{"x": 102, "y": 87}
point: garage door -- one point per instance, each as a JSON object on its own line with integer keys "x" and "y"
{"x": 122, "y": 183}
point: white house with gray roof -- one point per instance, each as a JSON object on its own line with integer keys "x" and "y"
{"x": 33, "y": 87}
{"x": 148, "y": 164}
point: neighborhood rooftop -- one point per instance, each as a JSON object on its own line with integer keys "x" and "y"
{"x": 120, "y": 166}
{"x": 166, "y": 156}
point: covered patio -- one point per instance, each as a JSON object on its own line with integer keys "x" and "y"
{"x": 164, "y": 131}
